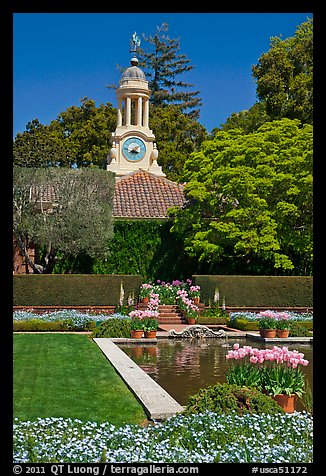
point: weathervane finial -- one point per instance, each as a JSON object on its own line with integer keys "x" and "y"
{"x": 135, "y": 43}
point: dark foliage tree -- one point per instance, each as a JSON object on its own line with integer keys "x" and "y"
{"x": 163, "y": 65}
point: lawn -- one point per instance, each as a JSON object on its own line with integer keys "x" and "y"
{"x": 68, "y": 376}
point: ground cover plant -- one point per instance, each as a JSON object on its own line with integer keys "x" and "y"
{"x": 195, "y": 438}
{"x": 68, "y": 376}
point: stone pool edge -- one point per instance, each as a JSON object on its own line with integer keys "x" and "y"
{"x": 158, "y": 403}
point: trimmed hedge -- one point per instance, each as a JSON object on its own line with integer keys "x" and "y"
{"x": 257, "y": 291}
{"x": 73, "y": 289}
{"x": 36, "y": 325}
{"x": 211, "y": 320}
{"x": 243, "y": 325}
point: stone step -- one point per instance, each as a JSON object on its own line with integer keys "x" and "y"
{"x": 170, "y": 314}
{"x": 171, "y": 320}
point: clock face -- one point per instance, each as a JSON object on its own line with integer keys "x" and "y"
{"x": 133, "y": 149}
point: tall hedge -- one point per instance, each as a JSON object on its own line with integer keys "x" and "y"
{"x": 260, "y": 291}
{"x": 72, "y": 289}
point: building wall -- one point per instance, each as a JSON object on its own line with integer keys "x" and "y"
{"x": 19, "y": 263}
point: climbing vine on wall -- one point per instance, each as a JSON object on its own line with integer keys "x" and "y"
{"x": 138, "y": 247}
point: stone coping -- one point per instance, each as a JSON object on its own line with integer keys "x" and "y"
{"x": 158, "y": 404}
{"x": 279, "y": 340}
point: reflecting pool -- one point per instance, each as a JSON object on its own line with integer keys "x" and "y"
{"x": 183, "y": 366}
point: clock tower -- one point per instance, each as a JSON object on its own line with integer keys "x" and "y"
{"x": 133, "y": 143}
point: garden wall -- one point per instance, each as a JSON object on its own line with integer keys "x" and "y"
{"x": 258, "y": 291}
{"x": 73, "y": 289}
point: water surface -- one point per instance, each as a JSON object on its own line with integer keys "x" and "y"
{"x": 183, "y": 366}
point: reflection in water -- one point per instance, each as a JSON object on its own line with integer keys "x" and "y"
{"x": 183, "y": 366}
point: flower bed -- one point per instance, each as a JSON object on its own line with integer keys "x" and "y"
{"x": 60, "y": 320}
{"x": 205, "y": 437}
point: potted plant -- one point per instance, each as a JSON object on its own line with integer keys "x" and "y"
{"x": 194, "y": 294}
{"x": 191, "y": 316}
{"x": 267, "y": 327}
{"x": 150, "y": 326}
{"x": 282, "y": 328}
{"x": 274, "y": 371}
{"x": 283, "y": 384}
{"x": 136, "y": 326}
{"x": 144, "y": 292}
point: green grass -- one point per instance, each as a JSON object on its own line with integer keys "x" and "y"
{"x": 68, "y": 376}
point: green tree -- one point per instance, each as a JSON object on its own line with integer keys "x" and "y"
{"x": 163, "y": 66}
{"x": 250, "y": 200}
{"x": 177, "y": 136}
{"x": 284, "y": 76}
{"x": 247, "y": 120}
{"x": 79, "y": 136}
{"x": 40, "y": 146}
{"x": 62, "y": 210}
{"x": 87, "y": 131}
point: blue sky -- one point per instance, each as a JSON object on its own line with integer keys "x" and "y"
{"x": 60, "y": 58}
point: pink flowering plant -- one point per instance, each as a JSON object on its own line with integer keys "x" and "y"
{"x": 186, "y": 304}
{"x": 274, "y": 320}
{"x": 145, "y": 290}
{"x": 146, "y": 319}
{"x": 194, "y": 291}
{"x": 167, "y": 291}
{"x": 275, "y": 370}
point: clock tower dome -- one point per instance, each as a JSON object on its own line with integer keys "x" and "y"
{"x": 133, "y": 143}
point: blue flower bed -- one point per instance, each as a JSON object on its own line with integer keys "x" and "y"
{"x": 253, "y": 316}
{"x": 205, "y": 437}
{"x": 76, "y": 319}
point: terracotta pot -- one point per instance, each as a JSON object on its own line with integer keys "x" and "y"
{"x": 150, "y": 334}
{"x": 268, "y": 333}
{"x": 286, "y": 402}
{"x": 144, "y": 300}
{"x": 191, "y": 321}
{"x": 282, "y": 333}
{"x": 137, "y": 334}
{"x": 196, "y": 300}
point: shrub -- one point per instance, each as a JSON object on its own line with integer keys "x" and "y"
{"x": 211, "y": 320}
{"x": 227, "y": 398}
{"x": 298, "y": 330}
{"x": 114, "y": 327}
{"x": 243, "y": 325}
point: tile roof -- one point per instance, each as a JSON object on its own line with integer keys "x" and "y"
{"x": 141, "y": 194}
